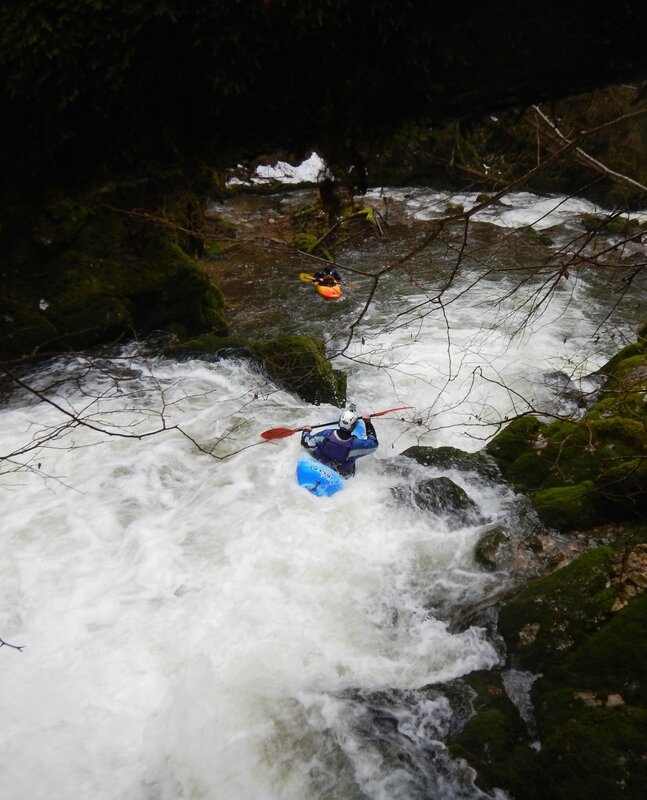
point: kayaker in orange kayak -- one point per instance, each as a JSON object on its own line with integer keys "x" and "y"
{"x": 327, "y": 277}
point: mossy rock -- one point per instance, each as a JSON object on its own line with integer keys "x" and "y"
{"x": 628, "y": 373}
{"x": 622, "y": 489}
{"x": 95, "y": 276}
{"x": 590, "y": 471}
{"x": 630, "y": 351}
{"x": 537, "y": 238}
{"x": 453, "y": 458}
{"x": 555, "y": 614}
{"x": 514, "y": 440}
{"x": 296, "y": 363}
{"x": 611, "y": 661}
{"x": 487, "y": 548}
{"x": 535, "y": 455}
{"x": 312, "y": 245}
{"x": 591, "y": 710}
{"x": 567, "y": 508}
{"x": 211, "y": 344}
{"x": 300, "y": 364}
{"x": 596, "y": 752}
{"x": 590, "y": 703}
{"x": 440, "y": 496}
{"x": 494, "y": 741}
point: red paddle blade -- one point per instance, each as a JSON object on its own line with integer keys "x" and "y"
{"x": 389, "y": 410}
{"x": 279, "y": 433}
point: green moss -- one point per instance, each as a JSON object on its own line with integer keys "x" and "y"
{"x": 90, "y": 274}
{"x": 300, "y": 364}
{"x": 311, "y": 244}
{"x": 596, "y": 752}
{"x": 619, "y": 430}
{"x": 631, "y": 350}
{"x": 583, "y": 473}
{"x": 514, "y": 440}
{"x": 537, "y": 238}
{"x": 297, "y": 363}
{"x": 591, "y": 711}
{"x": 612, "y": 661}
{"x": 619, "y": 225}
{"x": 494, "y": 741}
{"x": 556, "y": 613}
{"x": 214, "y": 249}
{"x": 211, "y": 344}
{"x": 567, "y": 508}
{"x": 590, "y": 698}
{"x": 366, "y": 212}
{"x": 529, "y": 471}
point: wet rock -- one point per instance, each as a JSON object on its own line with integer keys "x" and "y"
{"x": 445, "y": 458}
{"x": 297, "y": 363}
{"x": 495, "y": 739}
{"x": 443, "y": 497}
{"x": 488, "y": 546}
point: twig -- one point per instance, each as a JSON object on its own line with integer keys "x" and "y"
{"x": 19, "y": 647}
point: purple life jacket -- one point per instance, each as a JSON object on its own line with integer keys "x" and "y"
{"x": 334, "y": 452}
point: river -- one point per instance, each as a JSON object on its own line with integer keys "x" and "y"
{"x": 198, "y": 627}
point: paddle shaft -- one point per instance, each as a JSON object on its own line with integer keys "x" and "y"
{"x": 282, "y": 433}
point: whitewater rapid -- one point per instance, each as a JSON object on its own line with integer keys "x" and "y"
{"x": 195, "y": 625}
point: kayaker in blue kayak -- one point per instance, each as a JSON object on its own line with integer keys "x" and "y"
{"x": 339, "y": 448}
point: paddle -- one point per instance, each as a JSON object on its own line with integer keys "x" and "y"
{"x": 282, "y": 433}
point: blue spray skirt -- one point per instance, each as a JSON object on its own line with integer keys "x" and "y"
{"x": 320, "y": 479}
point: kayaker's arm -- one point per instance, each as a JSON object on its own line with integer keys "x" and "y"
{"x": 311, "y": 440}
{"x": 370, "y": 429}
{"x": 365, "y": 446}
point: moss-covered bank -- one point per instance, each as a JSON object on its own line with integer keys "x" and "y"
{"x": 581, "y": 473}
{"x": 565, "y": 713}
{"x": 579, "y": 634}
{"x": 83, "y": 272}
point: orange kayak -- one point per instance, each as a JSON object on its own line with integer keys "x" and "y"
{"x": 329, "y": 292}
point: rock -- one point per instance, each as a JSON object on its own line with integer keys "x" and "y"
{"x": 444, "y": 458}
{"x": 297, "y": 363}
{"x": 440, "y": 496}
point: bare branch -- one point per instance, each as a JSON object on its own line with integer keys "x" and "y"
{"x": 19, "y": 647}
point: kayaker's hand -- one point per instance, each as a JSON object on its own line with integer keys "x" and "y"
{"x": 307, "y": 428}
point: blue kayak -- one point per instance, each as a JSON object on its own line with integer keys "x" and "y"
{"x": 320, "y": 479}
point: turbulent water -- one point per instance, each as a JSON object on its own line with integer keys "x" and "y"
{"x": 195, "y": 625}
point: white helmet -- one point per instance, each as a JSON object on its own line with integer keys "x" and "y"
{"x": 348, "y": 419}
